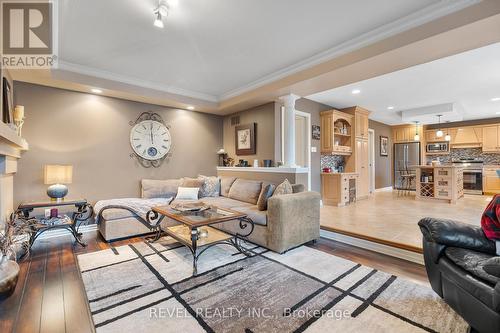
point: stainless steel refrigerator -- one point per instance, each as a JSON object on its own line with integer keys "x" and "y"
{"x": 406, "y": 156}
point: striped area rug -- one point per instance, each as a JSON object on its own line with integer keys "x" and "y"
{"x": 149, "y": 287}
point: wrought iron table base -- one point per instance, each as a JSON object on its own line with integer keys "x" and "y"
{"x": 234, "y": 241}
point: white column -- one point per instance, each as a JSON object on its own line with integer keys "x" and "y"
{"x": 289, "y": 129}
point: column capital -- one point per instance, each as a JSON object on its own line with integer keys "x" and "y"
{"x": 289, "y": 100}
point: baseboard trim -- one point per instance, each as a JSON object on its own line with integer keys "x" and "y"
{"x": 64, "y": 232}
{"x": 373, "y": 246}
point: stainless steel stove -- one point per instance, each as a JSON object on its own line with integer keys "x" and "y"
{"x": 473, "y": 174}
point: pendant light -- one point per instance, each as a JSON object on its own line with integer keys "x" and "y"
{"x": 417, "y": 136}
{"x": 439, "y": 132}
{"x": 447, "y": 137}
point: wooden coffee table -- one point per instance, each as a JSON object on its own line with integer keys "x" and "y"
{"x": 195, "y": 232}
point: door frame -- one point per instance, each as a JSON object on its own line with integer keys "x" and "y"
{"x": 371, "y": 160}
{"x": 308, "y": 144}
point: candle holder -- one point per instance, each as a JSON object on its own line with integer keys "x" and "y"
{"x": 19, "y": 118}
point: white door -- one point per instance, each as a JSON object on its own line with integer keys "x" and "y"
{"x": 371, "y": 159}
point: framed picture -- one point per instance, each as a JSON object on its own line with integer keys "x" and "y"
{"x": 7, "y": 102}
{"x": 384, "y": 146}
{"x": 245, "y": 139}
{"x": 316, "y": 132}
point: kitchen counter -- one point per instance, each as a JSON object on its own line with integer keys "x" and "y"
{"x": 441, "y": 182}
{"x": 338, "y": 188}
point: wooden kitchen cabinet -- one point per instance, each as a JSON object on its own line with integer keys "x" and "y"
{"x": 491, "y": 181}
{"x": 336, "y": 132}
{"x": 406, "y": 133}
{"x": 491, "y": 138}
{"x": 430, "y": 136}
{"x": 338, "y": 189}
{"x": 361, "y": 122}
{"x": 363, "y": 188}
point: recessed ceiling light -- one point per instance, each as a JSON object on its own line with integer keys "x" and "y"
{"x": 356, "y": 91}
{"x": 190, "y": 107}
{"x": 495, "y": 99}
{"x": 96, "y": 91}
{"x": 390, "y": 108}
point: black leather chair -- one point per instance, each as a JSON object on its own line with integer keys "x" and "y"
{"x": 453, "y": 254}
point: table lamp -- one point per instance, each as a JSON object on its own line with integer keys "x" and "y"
{"x": 57, "y": 176}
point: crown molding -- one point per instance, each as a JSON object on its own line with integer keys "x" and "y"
{"x": 89, "y": 71}
{"x": 408, "y": 22}
{"x": 418, "y": 18}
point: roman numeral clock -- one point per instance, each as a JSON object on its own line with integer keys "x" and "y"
{"x": 150, "y": 140}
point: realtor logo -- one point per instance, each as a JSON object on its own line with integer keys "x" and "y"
{"x": 27, "y": 35}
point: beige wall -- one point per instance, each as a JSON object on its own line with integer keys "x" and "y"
{"x": 92, "y": 133}
{"x": 313, "y": 108}
{"x": 383, "y": 164}
{"x": 263, "y": 116}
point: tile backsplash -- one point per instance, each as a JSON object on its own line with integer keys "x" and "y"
{"x": 455, "y": 154}
{"x": 332, "y": 161}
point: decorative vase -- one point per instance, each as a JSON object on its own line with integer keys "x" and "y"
{"x": 9, "y": 273}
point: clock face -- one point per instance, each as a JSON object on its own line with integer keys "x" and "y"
{"x": 150, "y": 140}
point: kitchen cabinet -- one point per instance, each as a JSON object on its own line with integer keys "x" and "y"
{"x": 358, "y": 162}
{"x": 430, "y": 136}
{"x": 406, "y": 133}
{"x": 338, "y": 189}
{"x": 491, "y": 138}
{"x": 491, "y": 181}
{"x": 336, "y": 132}
{"x": 361, "y": 121}
{"x": 361, "y": 151}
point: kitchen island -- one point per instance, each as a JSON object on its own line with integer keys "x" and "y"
{"x": 441, "y": 182}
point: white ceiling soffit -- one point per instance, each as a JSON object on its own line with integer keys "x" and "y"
{"x": 199, "y": 56}
{"x": 429, "y": 114}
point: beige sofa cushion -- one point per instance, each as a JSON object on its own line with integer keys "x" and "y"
{"x": 258, "y": 217}
{"x": 159, "y": 188}
{"x": 224, "y": 202}
{"x": 245, "y": 190}
{"x": 225, "y": 185}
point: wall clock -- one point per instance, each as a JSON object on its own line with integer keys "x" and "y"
{"x": 150, "y": 140}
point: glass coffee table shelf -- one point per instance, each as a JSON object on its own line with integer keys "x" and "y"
{"x": 194, "y": 228}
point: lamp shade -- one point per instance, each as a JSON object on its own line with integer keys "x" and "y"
{"x": 57, "y": 174}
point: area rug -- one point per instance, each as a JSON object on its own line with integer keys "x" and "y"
{"x": 144, "y": 287}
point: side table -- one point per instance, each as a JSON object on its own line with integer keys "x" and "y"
{"x": 83, "y": 212}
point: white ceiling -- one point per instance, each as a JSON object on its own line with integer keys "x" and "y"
{"x": 211, "y": 49}
{"x": 469, "y": 80}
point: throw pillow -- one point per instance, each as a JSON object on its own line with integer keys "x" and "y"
{"x": 283, "y": 188}
{"x": 191, "y": 182}
{"x": 187, "y": 193}
{"x": 211, "y": 186}
{"x": 492, "y": 266}
{"x": 265, "y": 194}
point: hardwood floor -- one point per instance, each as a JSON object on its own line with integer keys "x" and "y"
{"x": 49, "y": 296}
{"x": 392, "y": 220}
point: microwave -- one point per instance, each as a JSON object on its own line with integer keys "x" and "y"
{"x": 437, "y": 147}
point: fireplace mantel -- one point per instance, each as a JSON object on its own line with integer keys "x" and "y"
{"x": 11, "y": 147}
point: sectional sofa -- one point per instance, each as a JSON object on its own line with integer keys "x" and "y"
{"x": 289, "y": 220}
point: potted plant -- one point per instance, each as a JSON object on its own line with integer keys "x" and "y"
{"x": 15, "y": 236}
